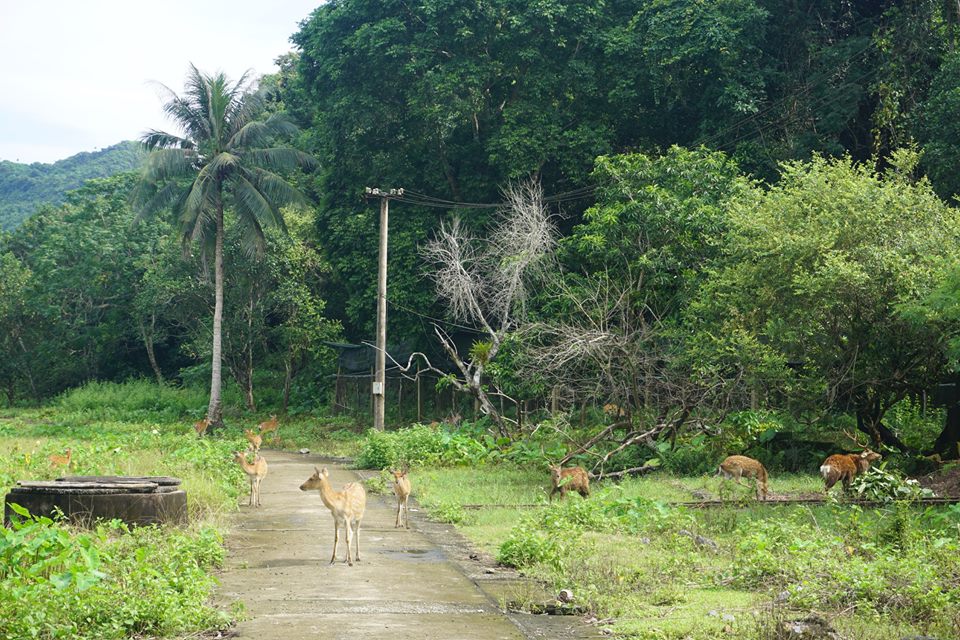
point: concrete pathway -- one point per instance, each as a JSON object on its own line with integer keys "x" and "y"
{"x": 405, "y": 586}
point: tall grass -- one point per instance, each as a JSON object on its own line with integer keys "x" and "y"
{"x": 133, "y": 400}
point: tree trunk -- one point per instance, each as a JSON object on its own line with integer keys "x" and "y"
{"x": 215, "y": 408}
{"x": 29, "y": 371}
{"x": 288, "y": 380}
{"x": 148, "y": 345}
{"x": 872, "y": 425}
{"x": 947, "y": 442}
{"x": 248, "y": 361}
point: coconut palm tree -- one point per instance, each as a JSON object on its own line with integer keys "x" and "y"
{"x": 225, "y": 159}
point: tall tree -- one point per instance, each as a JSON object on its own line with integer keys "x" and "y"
{"x": 226, "y": 160}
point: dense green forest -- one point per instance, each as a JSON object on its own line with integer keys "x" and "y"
{"x": 745, "y": 205}
{"x": 24, "y": 187}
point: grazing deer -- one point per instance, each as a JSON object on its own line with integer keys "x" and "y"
{"x": 845, "y": 467}
{"x": 737, "y": 467}
{"x": 256, "y": 472}
{"x": 201, "y": 426}
{"x": 401, "y": 487}
{"x": 572, "y": 479}
{"x": 269, "y": 425}
{"x": 57, "y": 460}
{"x": 255, "y": 440}
{"x": 346, "y": 506}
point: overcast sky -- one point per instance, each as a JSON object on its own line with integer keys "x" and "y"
{"x": 75, "y": 75}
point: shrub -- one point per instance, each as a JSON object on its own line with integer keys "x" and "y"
{"x": 112, "y": 582}
{"x": 378, "y": 451}
{"x": 133, "y": 400}
{"x": 887, "y": 486}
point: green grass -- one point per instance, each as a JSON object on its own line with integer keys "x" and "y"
{"x": 60, "y": 581}
{"x": 874, "y": 573}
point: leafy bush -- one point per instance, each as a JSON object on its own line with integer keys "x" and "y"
{"x": 527, "y": 546}
{"x": 132, "y": 400}
{"x": 887, "y": 486}
{"x": 112, "y": 582}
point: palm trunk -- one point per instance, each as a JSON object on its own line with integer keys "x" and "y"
{"x": 215, "y": 408}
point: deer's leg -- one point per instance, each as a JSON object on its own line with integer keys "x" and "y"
{"x": 399, "y": 505}
{"x": 406, "y": 513}
{"x": 336, "y": 540}
{"x": 346, "y": 524}
{"x": 356, "y": 534}
{"x": 250, "y": 501}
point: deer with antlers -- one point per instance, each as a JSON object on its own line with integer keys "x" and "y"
{"x": 846, "y": 466}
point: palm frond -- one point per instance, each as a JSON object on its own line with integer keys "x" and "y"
{"x": 223, "y": 165}
{"x": 149, "y": 198}
{"x": 252, "y": 211}
{"x": 262, "y": 133}
{"x": 169, "y": 164}
{"x": 153, "y": 139}
{"x": 274, "y": 188}
{"x": 279, "y": 159}
{"x": 252, "y": 204}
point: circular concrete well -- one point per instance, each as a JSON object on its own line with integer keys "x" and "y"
{"x": 86, "y": 499}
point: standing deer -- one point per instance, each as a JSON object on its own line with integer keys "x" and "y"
{"x": 255, "y": 440}
{"x": 269, "y": 425}
{"x": 572, "y": 479}
{"x": 201, "y": 426}
{"x": 346, "y": 506}
{"x": 401, "y": 487}
{"x": 845, "y": 467}
{"x": 256, "y": 472}
{"x": 737, "y": 467}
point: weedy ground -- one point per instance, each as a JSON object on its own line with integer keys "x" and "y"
{"x": 633, "y": 559}
{"x": 112, "y": 581}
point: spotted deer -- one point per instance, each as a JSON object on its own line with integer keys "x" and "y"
{"x": 737, "y": 467}
{"x": 346, "y": 506}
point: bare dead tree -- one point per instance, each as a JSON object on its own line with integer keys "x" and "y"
{"x": 486, "y": 284}
{"x": 611, "y": 344}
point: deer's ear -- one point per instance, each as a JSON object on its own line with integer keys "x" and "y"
{"x": 317, "y": 470}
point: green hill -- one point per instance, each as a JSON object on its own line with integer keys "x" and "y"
{"x": 23, "y": 187}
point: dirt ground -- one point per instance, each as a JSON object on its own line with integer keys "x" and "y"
{"x": 423, "y": 584}
{"x": 944, "y": 483}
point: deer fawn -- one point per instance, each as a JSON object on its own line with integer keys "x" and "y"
{"x": 201, "y": 426}
{"x": 572, "y": 479}
{"x": 737, "y": 467}
{"x": 256, "y": 472}
{"x": 346, "y": 506}
{"x": 57, "y": 460}
{"x": 255, "y": 440}
{"x": 401, "y": 487}
{"x": 845, "y": 467}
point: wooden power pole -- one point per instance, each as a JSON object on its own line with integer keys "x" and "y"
{"x": 378, "y": 388}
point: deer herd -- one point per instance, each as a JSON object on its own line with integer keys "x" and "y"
{"x": 348, "y": 504}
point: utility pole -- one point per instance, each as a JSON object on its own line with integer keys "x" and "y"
{"x": 378, "y": 388}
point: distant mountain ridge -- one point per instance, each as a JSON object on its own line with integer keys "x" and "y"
{"x": 24, "y": 187}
